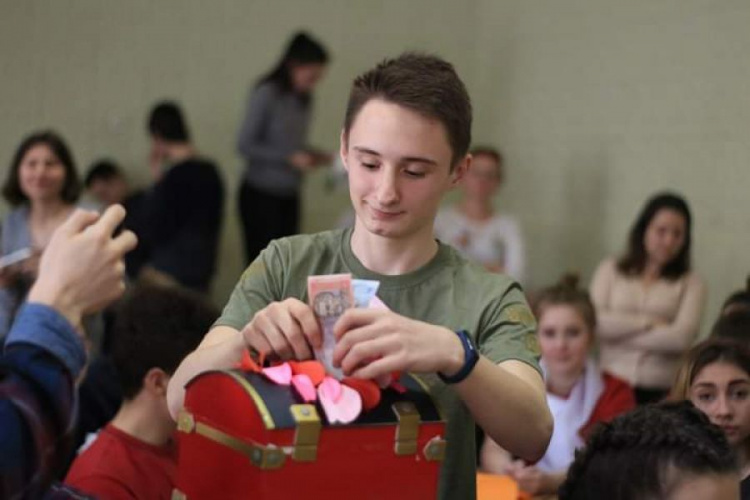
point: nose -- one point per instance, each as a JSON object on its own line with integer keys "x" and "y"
{"x": 388, "y": 192}
{"x": 723, "y": 408}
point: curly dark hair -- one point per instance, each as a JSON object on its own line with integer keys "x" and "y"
{"x": 156, "y": 327}
{"x": 71, "y": 188}
{"x": 630, "y": 457}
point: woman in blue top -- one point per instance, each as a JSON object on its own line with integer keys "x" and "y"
{"x": 42, "y": 187}
{"x": 272, "y": 141}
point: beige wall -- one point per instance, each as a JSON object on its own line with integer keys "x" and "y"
{"x": 596, "y": 104}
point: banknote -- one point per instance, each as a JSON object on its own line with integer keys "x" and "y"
{"x": 329, "y": 296}
{"x": 364, "y": 291}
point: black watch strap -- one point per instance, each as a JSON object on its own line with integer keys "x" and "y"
{"x": 471, "y": 356}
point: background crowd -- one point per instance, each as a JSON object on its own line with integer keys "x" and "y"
{"x": 630, "y": 336}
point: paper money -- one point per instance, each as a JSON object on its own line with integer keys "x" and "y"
{"x": 364, "y": 291}
{"x": 329, "y": 296}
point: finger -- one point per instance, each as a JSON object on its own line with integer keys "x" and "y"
{"x": 124, "y": 242}
{"x": 256, "y": 340}
{"x": 289, "y": 327}
{"x": 365, "y": 353}
{"x": 353, "y": 338}
{"x": 355, "y": 317}
{"x": 110, "y": 219}
{"x": 77, "y": 222}
{"x": 279, "y": 344}
{"x": 387, "y": 364}
{"x": 307, "y": 321}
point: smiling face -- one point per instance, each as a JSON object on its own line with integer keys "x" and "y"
{"x": 721, "y": 390}
{"x": 399, "y": 165}
{"x": 41, "y": 175}
{"x": 564, "y": 338}
{"x": 664, "y": 236}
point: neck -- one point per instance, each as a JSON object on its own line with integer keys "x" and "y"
{"x": 651, "y": 271}
{"x": 476, "y": 209}
{"x": 137, "y": 419}
{"x": 180, "y": 151}
{"x": 561, "y": 385}
{"x": 48, "y": 209}
{"x": 393, "y": 256}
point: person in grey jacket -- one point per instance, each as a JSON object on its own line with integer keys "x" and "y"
{"x": 272, "y": 141}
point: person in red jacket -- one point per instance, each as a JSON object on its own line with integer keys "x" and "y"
{"x": 579, "y": 394}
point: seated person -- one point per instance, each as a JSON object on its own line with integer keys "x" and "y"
{"x": 579, "y": 394}
{"x": 662, "y": 451}
{"x": 80, "y": 272}
{"x": 134, "y": 455}
{"x": 715, "y": 376}
{"x": 474, "y": 227}
{"x": 733, "y": 325}
{"x": 404, "y": 142}
{"x": 106, "y": 182}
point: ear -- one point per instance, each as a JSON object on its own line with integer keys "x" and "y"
{"x": 462, "y": 167}
{"x": 344, "y": 149}
{"x": 155, "y": 382}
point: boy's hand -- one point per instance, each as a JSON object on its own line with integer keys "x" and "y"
{"x": 286, "y": 329}
{"x": 372, "y": 342}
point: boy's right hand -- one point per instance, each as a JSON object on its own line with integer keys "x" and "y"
{"x": 287, "y": 329}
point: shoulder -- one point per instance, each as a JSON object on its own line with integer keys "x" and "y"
{"x": 102, "y": 461}
{"x": 309, "y": 244}
{"x": 266, "y": 91}
{"x": 16, "y": 217}
{"x": 694, "y": 280}
{"x": 608, "y": 267}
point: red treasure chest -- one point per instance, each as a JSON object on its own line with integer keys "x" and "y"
{"x": 244, "y": 437}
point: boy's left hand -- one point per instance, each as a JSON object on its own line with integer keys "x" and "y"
{"x": 373, "y": 342}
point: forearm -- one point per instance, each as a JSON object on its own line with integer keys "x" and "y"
{"x": 222, "y": 348}
{"x": 508, "y": 402}
{"x": 619, "y": 326}
{"x": 668, "y": 339}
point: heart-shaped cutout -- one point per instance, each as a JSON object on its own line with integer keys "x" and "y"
{"x": 304, "y": 387}
{"x": 368, "y": 390}
{"x": 279, "y": 374}
{"x": 331, "y": 388}
{"x": 313, "y": 369}
{"x": 345, "y": 410}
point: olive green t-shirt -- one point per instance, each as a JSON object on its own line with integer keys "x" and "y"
{"x": 448, "y": 291}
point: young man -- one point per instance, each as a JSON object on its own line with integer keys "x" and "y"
{"x": 134, "y": 455}
{"x": 404, "y": 143}
{"x": 183, "y": 210}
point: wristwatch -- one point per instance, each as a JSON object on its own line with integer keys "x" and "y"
{"x": 471, "y": 356}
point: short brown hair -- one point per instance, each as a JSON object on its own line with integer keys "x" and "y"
{"x": 71, "y": 188}
{"x": 492, "y": 153}
{"x": 567, "y": 293}
{"x": 423, "y": 83}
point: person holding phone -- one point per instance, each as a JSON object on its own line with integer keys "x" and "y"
{"x": 42, "y": 187}
{"x": 272, "y": 141}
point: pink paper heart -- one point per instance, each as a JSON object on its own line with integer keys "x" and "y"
{"x": 331, "y": 388}
{"x": 280, "y": 374}
{"x": 305, "y": 388}
{"x": 345, "y": 410}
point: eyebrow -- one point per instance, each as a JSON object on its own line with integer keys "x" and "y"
{"x": 405, "y": 159}
{"x": 732, "y": 382}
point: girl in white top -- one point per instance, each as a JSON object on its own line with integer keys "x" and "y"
{"x": 474, "y": 228}
{"x": 649, "y": 302}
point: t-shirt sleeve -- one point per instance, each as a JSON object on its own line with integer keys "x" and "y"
{"x": 509, "y": 330}
{"x": 259, "y": 285}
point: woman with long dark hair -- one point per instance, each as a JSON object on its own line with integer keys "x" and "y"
{"x": 649, "y": 302}
{"x": 272, "y": 141}
{"x": 42, "y": 186}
